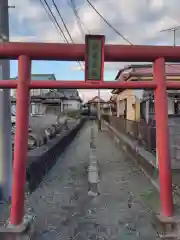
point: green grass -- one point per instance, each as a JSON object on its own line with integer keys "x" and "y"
{"x": 151, "y": 197}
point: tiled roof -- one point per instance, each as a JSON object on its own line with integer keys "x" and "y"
{"x": 54, "y": 94}
{"x": 48, "y": 76}
{"x": 170, "y": 69}
{"x": 61, "y": 95}
{"x": 145, "y": 69}
{"x": 96, "y": 99}
{"x": 136, "y": 70}
{"x": 69, "y": 92}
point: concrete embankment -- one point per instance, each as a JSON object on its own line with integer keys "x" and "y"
{"x": 41, "y": 159}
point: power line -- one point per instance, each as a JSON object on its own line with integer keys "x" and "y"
{"x": 51, "y": 18}
{"x": 72, "y": 4}
{"x": 64, "y": 24}
{"x": 59, "y": 27}
{"x": 79, "y": 22}
{"x": 115, "y": 30}
{"x": 54, "y": 21}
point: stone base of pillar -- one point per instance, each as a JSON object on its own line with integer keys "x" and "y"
{"x": 24, "y": 231}
{"x": 167, "y": 227}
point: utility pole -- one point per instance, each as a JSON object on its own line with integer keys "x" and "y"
{"x": 5, "y": 112}
{"x": 174, "y": 29}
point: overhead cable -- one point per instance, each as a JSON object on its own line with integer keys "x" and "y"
{"x": 109, "y": 24}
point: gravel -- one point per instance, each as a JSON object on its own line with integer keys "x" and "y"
{"x": 64, "y": 210}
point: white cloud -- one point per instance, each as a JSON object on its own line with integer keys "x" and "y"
{"x": 129, "y": 17}
{"x": 139, "y": 21}
{"x": 156, "y": 5}
{"x": 17, "y": 38}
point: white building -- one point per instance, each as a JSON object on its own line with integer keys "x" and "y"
{"x": 52, "y": 101}
{"x": 70, "y": 100}
{"x": 35, "y": 108}
{"x": 71, "y": 104}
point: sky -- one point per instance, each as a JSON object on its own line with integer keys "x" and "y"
{"x": 141, "y": 21}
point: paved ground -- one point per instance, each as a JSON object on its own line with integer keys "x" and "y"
{"x": 64, "y": 210}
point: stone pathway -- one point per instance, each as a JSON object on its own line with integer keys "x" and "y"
{"x": 65, "y": 211}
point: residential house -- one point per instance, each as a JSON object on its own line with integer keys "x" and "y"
{"x": 133, "y": 104}
{"x": 93, "y": 104}
{"x": 36, "y": 107}
{"x": 147, "y": 103}
{"x": 49, "y": 100}
{"x": 71, "y": 100}
{"x": 127, "y": 103}
{"x": 138, "y": 105}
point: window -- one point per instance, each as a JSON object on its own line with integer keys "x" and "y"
{"x": 151, "y": 106}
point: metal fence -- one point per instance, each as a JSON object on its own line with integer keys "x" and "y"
{"x": 145, "y": 134}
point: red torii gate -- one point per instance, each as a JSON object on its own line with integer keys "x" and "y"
{"x": 25, "y": 52}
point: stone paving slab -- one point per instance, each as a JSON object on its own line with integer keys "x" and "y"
{"x": 65, "y": 211}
